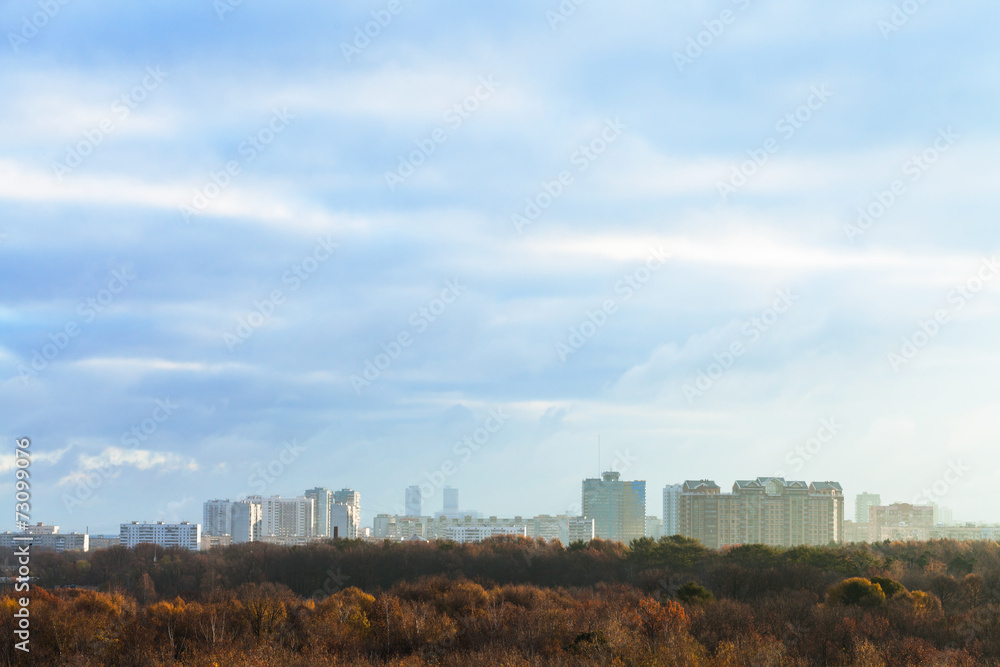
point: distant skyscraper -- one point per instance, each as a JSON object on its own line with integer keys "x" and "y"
{"x": 450, "y": 501}
{"x": 246, "y": 521}
{"x": 617, "y": 507}
{"x": 217, "y": 518}
{"x": 323, "y": 500}
{"x": 672, "y": 509}
{"x": 413, "y": 500}
{"x": 348, "y": 520}
{"x": 861, "y": 504}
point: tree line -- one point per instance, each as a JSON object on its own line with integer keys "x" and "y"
{"x": 512, "y": 600}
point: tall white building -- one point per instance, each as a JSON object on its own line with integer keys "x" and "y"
{"x": 246, "y": 521}
{"x": 672, "y": 509}
{"x": 184, "y": 535}
{"x": 348, "y": 520}
{"x": 344, "y": 521}
{"x": 413, "y": 500}
{"x": 322, "y": 504}
{"x": 217, "y": 517}
{"x": 238, "y": 519}
{"x": 617, "y": 507}
{"x": 285, "y": 517}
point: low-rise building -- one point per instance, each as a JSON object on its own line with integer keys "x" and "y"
{"x": 184, "y": 535}
{"x": 47, "y": 540}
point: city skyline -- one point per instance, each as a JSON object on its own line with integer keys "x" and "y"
{"x": 218, "y": 512}
{"x": 261, "y": 250}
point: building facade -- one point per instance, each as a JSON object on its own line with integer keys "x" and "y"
{"x": 900, "y": 521}
{"x": 55, "y": 541}
{"x": 672, "y": 509}
{"x": 322, "y": 511}
{"x": 247, "y": 518}
{"x": 654, "y": 527}
{"x": 617, "y": 507}
{"x": 217, "y": 517}
{"x": 566, "y": 529}
{"x": 413, "y": 501}
{"x": 862, "y": 502}
{"x": 184, "y": 535}
{"x": 766, "y": 510}
{"x": 348, "y": 521}
{"x": 284, "y": 517}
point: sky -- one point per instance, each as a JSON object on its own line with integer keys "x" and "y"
{"x": 263, "y": 247}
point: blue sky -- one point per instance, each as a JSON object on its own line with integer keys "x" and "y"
{"x": 234, "y": 214}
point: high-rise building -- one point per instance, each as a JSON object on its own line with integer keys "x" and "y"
{"x": 766, "y": 510}
{"x": 184, "y": 535}
{"x": 322, "y": 504}
{"x": 217, "y": 517}
{"x": 247, "y": 516}
{"x": 861, "y": 504}
{"x": 239, "y": 519}
{"x": 344, "y": 522}
{"x": 617, "y": 507}
{"x": 347, "y": 520}
{"x": 900, "y": 521}
{"x": 672, "y": 509}
{"x": 285, "y": 517}
{"x": 413, "y": 500}
{"x": 450, "y": 508}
